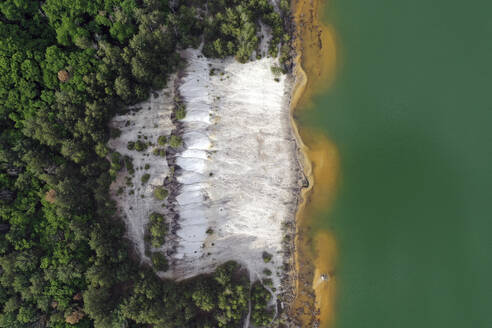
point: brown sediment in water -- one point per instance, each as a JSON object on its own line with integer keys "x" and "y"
{"x": 315, "y": 253}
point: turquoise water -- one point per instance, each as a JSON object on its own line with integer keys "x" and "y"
{"x": 411, "y": 114}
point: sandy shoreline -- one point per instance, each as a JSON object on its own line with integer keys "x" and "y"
{"x": 315, "y": 67}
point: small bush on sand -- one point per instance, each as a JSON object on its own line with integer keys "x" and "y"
{"x": 145, "y": 178}
{"x": 129, "y": 164}
{"x": 157, "y": 229}
{"x": 267, "y": 272}
{"x": 180, "y": 112}
{"x": 130, "y": 145}
{"x": 175, "y": 141}
{"x": 267, "y": 257}
{"x": 159, "y": 152}
{"x": 160, "y": 193}
{"x": 277, "y": 71}
{"x": 140, "y": 145}
{"x": 162, "y": 140}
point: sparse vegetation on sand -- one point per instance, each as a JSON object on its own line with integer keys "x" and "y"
{"x": 160, "y": 193}
{"x": 267, "y": 257}
{"x": 175, "y": 141}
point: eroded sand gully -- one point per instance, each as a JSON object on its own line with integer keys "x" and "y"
{"x": 239, "y": 177}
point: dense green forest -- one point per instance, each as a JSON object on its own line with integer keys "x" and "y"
{"x": 66, "y": 68}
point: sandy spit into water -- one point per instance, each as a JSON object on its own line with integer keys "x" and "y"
{"x": 238, "y": 171}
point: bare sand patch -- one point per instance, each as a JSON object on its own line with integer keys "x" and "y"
{"x": 237, "y": 173}
{"x": 240, "y": 174}
{"x": 149, "y": 119}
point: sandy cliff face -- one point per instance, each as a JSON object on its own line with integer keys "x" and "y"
{"x": 237, "y": 169}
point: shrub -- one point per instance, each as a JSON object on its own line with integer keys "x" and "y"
{"x": 147, "y": 166}
{"x": 130, "y": 145}
{"x": 140, "y": 145}
{"x": 210, "y": 231}
{"x": 116, "y": 161}
{"x": 267, "y": 272}
{"x": 145, "y": 178}
{"x": 175, "y": 141}
{"x": 115, "y": 132}
{"x": 129, "y": 164}
{"x": 260, "y": 314}
{"x": 159, "y": 152}
{"x": 180, "y": 111}
{"x": 267, "y": 257}
{"x": 115, "y": 157}
{"x": 115, "y": 164}
{"x": 162, "y": 140}
{"x": 277, "y": 70}
{"x": 157, "y": 229}
{"x": 268, "y": 282}
{"x": 159, "y": 261}
{"x": 284, "y": 5}
{"x": 160, "y": 193}
{"x": 284, "y": 54}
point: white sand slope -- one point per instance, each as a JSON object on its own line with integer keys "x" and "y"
{"x": 239, "y": 173}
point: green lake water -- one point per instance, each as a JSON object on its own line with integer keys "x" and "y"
{"x": 411, "y": 114}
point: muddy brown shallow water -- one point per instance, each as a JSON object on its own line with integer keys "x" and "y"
{"x": 315, "y": 66}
